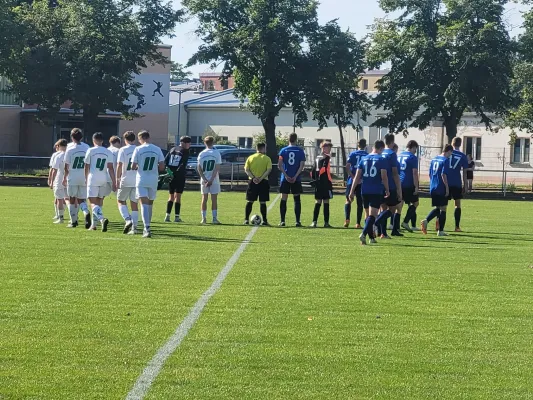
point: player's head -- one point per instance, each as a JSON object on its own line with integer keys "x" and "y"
{"x": 185, "y": 142}
{"x": 98, "y": 139}
{"x": 447, "y": 152}
{"x": 209, "y": 141}
{"x": 412, "y": 146}
{"x": 469, "y": 156}
{"x": 129, "y": 137}
{"x": 361, "y": 144}
{"x": 114, "y": 141}
{"x": 144, "y": 137}
{"x": 76, "y": 135}
{"x": 261, "y": 148}
{"x": 61, "y": 145}
{"x": 325, "y": 146}
{"x": 379, "y": 146}
{"x": 293, "y": 138}
{"x": 395, "y": 148}
{"x": 457, "y": 142}
{"x": 389, "y": 140}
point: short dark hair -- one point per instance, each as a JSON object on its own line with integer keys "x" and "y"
{"x": 448, "y": 148}
{"x": 325, "y": 143}
{"x": 395, "y": 146}
{"x": 457, "y": 142}
{"x": 62, "y": 143}
{"x": 76, "y": 134}
{"x": 144, "y": 135}
{"x": 389, "y": 138}
{"x": 129, "y": 136}
{"x": 185, "y": 139}
{"x": 209, "y": 140}
{"x": 411, "y": 144}
{"x": 361, "y": 144}
{"x": 260, "y": 146}
{"x": 98, "y": 137}
{"x": 293, "y": 138}
{"x": 379, "y": 144}
{"x": 114, "y": 139}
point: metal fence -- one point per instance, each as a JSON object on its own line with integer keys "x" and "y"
{"x": 24, "y": 165}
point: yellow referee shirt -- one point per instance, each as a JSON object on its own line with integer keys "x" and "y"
{"x": 258, "y": 164}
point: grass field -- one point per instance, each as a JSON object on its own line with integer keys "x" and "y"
{"x": 304, "y": 314}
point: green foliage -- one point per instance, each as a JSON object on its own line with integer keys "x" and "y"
{"x": 218, "y": 139}
{"x": 446, "y": 57}
{"x": 177, "y": 72}
{"x": 282, "y": 140}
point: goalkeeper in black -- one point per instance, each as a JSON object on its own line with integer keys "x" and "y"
{"x": 176, "y": 163}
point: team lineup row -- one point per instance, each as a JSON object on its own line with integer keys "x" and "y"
{"x": 381, "y": 182}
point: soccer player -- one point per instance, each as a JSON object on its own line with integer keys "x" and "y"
{"x": 148, "y": 161}
{"x": 98, "y": 168}
{"x": 372, "y": 176}
{"x": 258, "y": 167}
{"x": 351, "y": 166}
{"x": 114, "y": 147}
{"x": 291, "y": 163}
{"x": 439, "y": 170}
{"x": 51, "y": 181}
{"x": 409, "y": 178}
{"x": 56, "y": 179}
{"x": 209, "y": 161}
{"x": 176, "y": 162}
{"x": 74, "y": 178}
{"x": 395, "y": 198}
{"x": 323, "y": 184}
{"x": 458, "y": 184}
{"x": 126, "y": 185}
{"x": 470, "y": 173}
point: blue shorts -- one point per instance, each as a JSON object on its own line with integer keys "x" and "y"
{"x": 372, "y": 200}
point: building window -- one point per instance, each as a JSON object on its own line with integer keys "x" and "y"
{"x": 472, "y": 146}
{"x": 196, "y": 140}
{"x": 245, "y": 142}
{"x": 520, "y": 151}
{"x": 365, "y": 84}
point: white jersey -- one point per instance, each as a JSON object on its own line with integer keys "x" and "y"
{"x": 98, "y": 158}
{"x": 125, "y": 156}
{"x": 147, "y": 157}
{"x": 75, "y": 159}
{"x": 51, "y": 163}
{"x": 207, "y": 159}
{"x": 59, "y": 164}
{"x": 114, "y": 151}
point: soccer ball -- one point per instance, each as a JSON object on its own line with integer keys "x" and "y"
{"x": 256, "y": 220}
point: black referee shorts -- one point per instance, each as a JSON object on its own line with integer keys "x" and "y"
{"x": 259, "y": 191}
{"x": 176, "y": 185}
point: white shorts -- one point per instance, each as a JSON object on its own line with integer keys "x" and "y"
{"x": 144, "y": 191}
{"x": 78, "y": 191}
{"x": 60, "y": 191}
{"x": 213, "y": 189}
{"x": 99, "y": 191}
{"x": 127, "y": 193}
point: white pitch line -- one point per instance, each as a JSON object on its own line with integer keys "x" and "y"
{"x": 152, "y": 370}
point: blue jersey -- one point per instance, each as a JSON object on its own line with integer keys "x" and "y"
{"x": 391, "y": 162}
{"x": 457, "y": 161}
{"x": 371, "y": 165}
{"x": 354, "y": 160}
{"x": 291, "y": 156}
{"x": 408, "y": 162}
{"x": 439, "y": 166}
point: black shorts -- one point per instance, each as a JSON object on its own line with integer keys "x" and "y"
{"x": 177, "y": 185}
{"x": 357, "y": 192}
{"x": 372, "y": 200}
{"x": 261, "y": 191}
{"x": 408, "y": 195}
{"x": 456, "y": 193}
{"x": 288, "y": 188}
{"x": 469, "y": 174}
{"x": 439, "y": 200}
{"x": 323, "y": 191}
{"x": 393, "y": 199}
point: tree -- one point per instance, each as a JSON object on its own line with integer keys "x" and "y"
{"x": 217, "y": 138}
{"x": 177, "y": 72}
{"x": 263, "y": 45}
{"x": 447, "y": 57}
{"x": 211, "y": 86}
{"x": 93, "y": 47}
{"x": 338, "y": 59}
{"x": 282, "y": 140}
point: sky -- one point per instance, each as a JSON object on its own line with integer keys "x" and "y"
{"x": 355, "y": 15}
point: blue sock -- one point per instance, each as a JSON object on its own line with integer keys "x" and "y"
{"x": 396, "y": 222}
{"x": 347, "y": 210}
{"x": 369, "y": 226}
{"x": 433, "y": 214}
{"x": 381, "y": 222}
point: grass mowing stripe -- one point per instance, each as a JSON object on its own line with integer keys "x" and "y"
{"x": 144, "y": 382}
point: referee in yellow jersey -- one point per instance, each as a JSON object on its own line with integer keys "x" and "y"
{"x": 258, "y": 167}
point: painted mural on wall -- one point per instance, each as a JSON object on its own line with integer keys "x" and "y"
{"x": 153, "y": 97}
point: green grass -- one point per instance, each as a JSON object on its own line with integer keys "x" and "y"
{"x": 304, "y": 314}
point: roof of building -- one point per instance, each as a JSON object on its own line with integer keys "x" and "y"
{"x": 174, "y": 97}
{"x": 224, "y": 98}
{"x": 377, "y": 72}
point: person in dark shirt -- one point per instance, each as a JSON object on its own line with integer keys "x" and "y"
{"x": 176, "y": 163}
{"x": 470, "y": 173}
{"x": 323, "y": 184}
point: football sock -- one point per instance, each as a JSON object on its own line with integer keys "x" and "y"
{"x": 97, "y": 212}
{"x": 215, "y": 214}
{"x": 413, "y": 217}
{"x": 145, "y": 215}
{"x": 135, "y": 218}
{"x": 170, "y": 204}
{"x": 326, "y": 213}
{"x": 61, "y": 212}
{"x": 263, "y": 209}
{"x": 283, "y": 209}
{"x": 124, "y": 212}
{"x": 433, "y": 214}
{"x": 381, "y": 222}
{"x": 442, "y": 220}
{"x": 297, "y": 207}
{"x": 204, "y": 214}
{"x": 56, "y": 209}
{"x": 248, "y": 210}
{"x": 347, "y": 211}
{"x": 84, "y": 208}
{"x": 316, "y": 212}
{"x": 72, "y": 212}
{"x": 408, "y": 215}
{"x": 77, "y": 211}
{"x": 369, "y": 226}
{"x": 458, "y": 217}
{"x": 396, "y": 218}
{"x": 177, "y": 209}
{"x": 150, "y": 210}
{"x": 360, "y": 214}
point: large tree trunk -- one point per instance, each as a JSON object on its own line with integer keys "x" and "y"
{"x": 451, "y": 129}
{"x": 269, "y": 125}
{"x": 343, "y": 151}
{"x": 90, "y": 124}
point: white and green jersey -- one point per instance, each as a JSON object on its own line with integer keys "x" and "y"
{"x": 208, "y": 159}
{"x": 98, "y": 158}
{"x": 114, "y": 152}
{"x": 59, "y": 164}
{"x": 51, "y": 163}
{"x": 147, "y": 157}
{"x": 75, "y": 159}
{"x": 125, "y": 156}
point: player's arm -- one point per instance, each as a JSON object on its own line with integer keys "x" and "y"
{"x": 52, "y": 177}
{"x": 465, "y": 178}
{"x": 396, "y": 177}
{"x": 282, "y": 170}
{"x": 135, "y": 160}
{"x": 111, "y": 171}
{"x": 357, "y": 181}
{"x": 385, "y": 179}
{"x": 119, "y": 172}
{"x": 267, "y": 172}
{"x": 215, "y": 173}
{"x": 247, "y": 169}
{"x": 201, "y": 171}
{"x": 161, "y": 161}
{"x": 416, "y": 181}
{"x": 50, "y": 180}
{"x": 87, "y": 171}
{"x": 445, "y": 181}
{"x": 66, "y": 171}
{"x": 302, "y": 166}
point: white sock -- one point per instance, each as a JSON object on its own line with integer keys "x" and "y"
{"x": 214, "y": 214}
{"x": 135, "y": 218}
{"x": 61, "y": 212}
{"x": 124, "y": 212}
{"x": 56, "y": 208}
{"x": 145, "y": 214}
{"x": 167, "y": 215}
{"x": 84, "y": 208}
{"x": 204, "y": 214}
{"x": 150, "y": 210}
{"x": 98, "y": 213}
{"x": 72, "y": 212}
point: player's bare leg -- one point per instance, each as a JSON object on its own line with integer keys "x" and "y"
{"x": 146, "y": 214}
{"x": 214, "y": 209}
{"x": 205, "y": 197}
